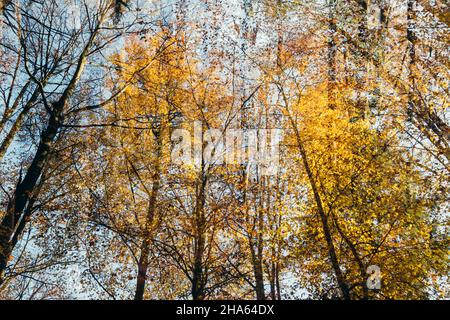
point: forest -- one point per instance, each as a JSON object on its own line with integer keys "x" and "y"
{"x": 224, "y": 150}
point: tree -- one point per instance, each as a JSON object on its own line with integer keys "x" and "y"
{"x": 63, "y": 58}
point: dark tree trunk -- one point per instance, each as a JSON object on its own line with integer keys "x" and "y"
{"x": 273, "y": 287}
{"x": 345, "y": 291}
{"x": 26, "y": 189}
{"x": 199, "y": 276}
{"x": 142, "y": 270}
{"x": 277, "y": 280}
{"x": 145, "y": 247}
{"x": 257, "y": 271}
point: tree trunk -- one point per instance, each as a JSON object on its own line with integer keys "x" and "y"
{"x": 142, "y": 270}
{"x": 25, "y": 190}
{"x": 145, "y": 247}
{"x": 17, "y": 125}
{"x": 277, "y": 280}
{"x": 326, "y": 229}
{"x": 257, "y": 271}
{"x": 345, "y": 291}
{"x": 332, "y": 51}
{"x": 198, "y": 276}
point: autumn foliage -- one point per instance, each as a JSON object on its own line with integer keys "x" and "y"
{"x": 91, "y": 192}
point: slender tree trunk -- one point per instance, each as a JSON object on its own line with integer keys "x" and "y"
{"x": 332, "y": 72}
{"x": 142, "y": 270}
{"x": 10, "y": 110}
{"x": 257, "y": 270}
{"x": 345, "y": 291}
{"x": 277, "y": 280}
{"x": 259, "y": 279}
{"x": 332, "y": 51}
{"x": 257, "y": 243}
{"x": 17, "y": 125}
{"x": 325, "y": 227}
{"x": 273, "y": 292}
{"x": 25, "y": 189}
{"x": 145, "y": 247}
{"x": 199, "y": 277}
{"x": 260, "y": 273}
